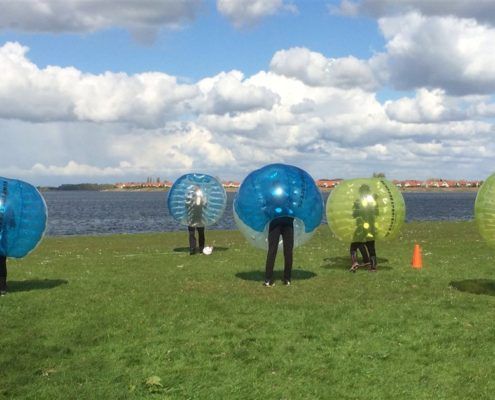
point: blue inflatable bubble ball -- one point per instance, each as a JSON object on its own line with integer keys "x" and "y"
{"x": 23, "y": 217}
{"x": 274, "y": 191}
{"x": 197, "y": 200}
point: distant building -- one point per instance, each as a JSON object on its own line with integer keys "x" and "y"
{"x": 324, "y": 183}
{"x": 231, "y": 184}
{"x": 411, "y": 183}
{"x": 432, "y": 183}
{"x": 328, "y": 183}
{"x": 436, "y": 183}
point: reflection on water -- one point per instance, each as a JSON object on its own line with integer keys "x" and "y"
{"x": 88, "y": 213}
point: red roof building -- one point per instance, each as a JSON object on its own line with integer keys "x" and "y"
{"x": 328, "y": 183}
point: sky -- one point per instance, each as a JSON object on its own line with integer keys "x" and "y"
{"x": 110, "y": 91}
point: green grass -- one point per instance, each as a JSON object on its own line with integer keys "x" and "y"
{"x": 134, "y": 316}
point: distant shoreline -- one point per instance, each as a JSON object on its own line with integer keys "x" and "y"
{"x": 440, "y": 190}
{"x": 428, "y": 190}
{"x": 323, "y": 190}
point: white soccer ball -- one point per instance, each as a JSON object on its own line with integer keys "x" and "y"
{"x": 207, "y": 250}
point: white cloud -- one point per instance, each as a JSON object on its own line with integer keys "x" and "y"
{"x": 315, "y": 69}
{"x": 432, "y": 44}
{"x": 227, "y": 93}
{"x": 107, "y": 153}
{"x": 146, "y": 99}
{"x": 142, "y": 17}
{"x": 427, "y": 106}
{"x": 481, "y": 10}
{"x": 61, "y": 125}
{"x": 72, "y": 169}
{"x": 178, "y": 145}
{"x": 54, "y": 93}
{"x": 249, "y": 12}
{"x": 452, "y": 54}
{"x": 482, "y": 109}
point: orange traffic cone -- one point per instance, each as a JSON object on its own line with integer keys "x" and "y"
{"x": 417, "y": 261}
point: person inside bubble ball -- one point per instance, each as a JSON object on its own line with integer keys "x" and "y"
{"x": 196, "y": 202}
{"x": 7, "y": 221}
{"x": 364, "y": 211}
{"x": 282, "y": 226}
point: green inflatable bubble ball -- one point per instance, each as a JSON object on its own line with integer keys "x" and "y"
{"x": 484, "y": 210}
{"x": 360, "y": 210}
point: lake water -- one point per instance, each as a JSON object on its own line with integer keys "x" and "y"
{"x": 89, "y": 213}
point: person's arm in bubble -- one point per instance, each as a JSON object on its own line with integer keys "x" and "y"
{"x": 8, "y": 224}
{"x": 355, "y": 209}
{"x": 189, "y": 200}
{"x": 10, "y": 217}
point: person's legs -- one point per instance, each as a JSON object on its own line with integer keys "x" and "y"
{"x": 201, "y": 238}
{"x": 370, "y": 246}
{"x": 3, "y": 275}
{"x": 288, "y": 240}
{"x": 192, "y": 239}
{"x": 353, "y": 251}
{"x": 364, "y": 253}
{"x": 273, "y": 236}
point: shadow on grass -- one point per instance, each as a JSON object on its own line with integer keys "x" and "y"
{"x": 475, "y": 286}
{"x": 259, "y": 275}
{"x": 345, "y": 263}
{"x": 186, "y": 249}
{"x": 34, "y": 284}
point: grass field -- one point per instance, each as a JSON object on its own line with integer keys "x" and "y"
{"x": 134, "y": 316}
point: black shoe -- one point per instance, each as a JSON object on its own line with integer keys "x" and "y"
{"x": 3, "y": 292}
{"x": 192, "y": 252}
{"x": 286, "y": 282}
{"x": 269, "y": 283}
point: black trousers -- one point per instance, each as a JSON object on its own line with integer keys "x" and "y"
{"x": 367, "y": 250}
{"x": 370, "y": 246}
{"x": 3, "y": 273}
{"x": 280, "y": 227}
{"x": 192, "y": 238}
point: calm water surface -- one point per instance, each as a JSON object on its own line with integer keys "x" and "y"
{"x": 89, "y": 213}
